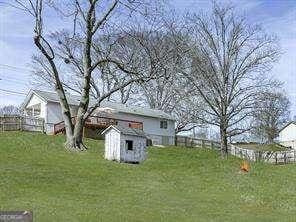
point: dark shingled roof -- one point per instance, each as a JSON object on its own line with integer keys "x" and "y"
{"x": 126, "y": 131}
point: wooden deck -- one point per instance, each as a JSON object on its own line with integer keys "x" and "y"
{"x": 97, "y": 122}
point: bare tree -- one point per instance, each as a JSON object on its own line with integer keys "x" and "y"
{"x": 169, "y": 92}
{"x": 228, "y": 59}
{"x": 271, "y": 112}
{"x": 80, "y": 47}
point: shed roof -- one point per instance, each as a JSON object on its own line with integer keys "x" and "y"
{"x": 75, "y": 99}
{"x": 126, "y": 131}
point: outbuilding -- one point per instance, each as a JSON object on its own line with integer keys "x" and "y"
{"x": 125, "y": 144}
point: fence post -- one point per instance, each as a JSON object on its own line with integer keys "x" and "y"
{"x": 202, "y": 144}
{"x": 42, "y": 123}
{"x": 20, "y": 123}
{"x": 191, "y": 142}
{"x": 212, "y": 145}
{"x": 185, "y": 141}
{"x": 276, "y": 158}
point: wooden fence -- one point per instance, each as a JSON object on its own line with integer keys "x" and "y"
{"x": 14, "y": 123}
{"x": 275, "y": 157}
{"x": 194, "y": 142}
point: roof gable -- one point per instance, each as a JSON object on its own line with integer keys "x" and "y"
{"x": 29, "y": 97}
{"x": 288, "y": 124}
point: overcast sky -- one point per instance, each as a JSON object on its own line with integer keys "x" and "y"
{"x": 16, "y": 46}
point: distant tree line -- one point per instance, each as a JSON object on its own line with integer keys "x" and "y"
{"x": 9, "y": 110}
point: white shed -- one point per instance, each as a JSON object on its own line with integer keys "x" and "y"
{"x": 125, "y": 144}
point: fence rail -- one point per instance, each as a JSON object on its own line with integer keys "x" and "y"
{"x": 195, "y": 142}
{"x": 14, "y": 123}
{"x": 275, "y": 157}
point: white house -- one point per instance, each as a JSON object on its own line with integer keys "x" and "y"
{"x": 287, "y": 135}
{"x": 125, "y": 144}
{"x": 158, "y": 125}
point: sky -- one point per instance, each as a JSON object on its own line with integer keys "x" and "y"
{"x": 16, "y": 44}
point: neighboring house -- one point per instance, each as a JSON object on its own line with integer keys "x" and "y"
{"x": 125, "y": 144}
{"x": 158, "y": 125}
{"x": 287, "y": 135}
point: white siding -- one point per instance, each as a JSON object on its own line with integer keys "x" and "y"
{"x": 54, "y": 115}
{"x": 35, "y": 100}
{"x": 288, "y": 133}
{"x": 112, "y": 145}
{"x": 151, "y": 126}
{"x": 287, "y": 136}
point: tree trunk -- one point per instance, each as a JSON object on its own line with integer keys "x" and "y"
{"x": 224, "y": 145}
{"x": 73, "y": 132}
{"x": 75, "y": 142}
{"x": 75, "y": 138}
{"x": 270, "y": 139}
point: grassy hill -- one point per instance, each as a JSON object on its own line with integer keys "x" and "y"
{"x": 174, "y": 184}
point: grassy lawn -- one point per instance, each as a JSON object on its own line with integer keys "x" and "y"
{"x": 263, "y": 147}
{"x": 174, "y": 184}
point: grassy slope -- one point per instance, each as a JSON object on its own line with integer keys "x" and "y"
{"x": 174, "y": 184}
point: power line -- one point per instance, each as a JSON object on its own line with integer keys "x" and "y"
{"x": 13, "y": 81}
{"x": 14, "y": 67}
{"x": 14, "y": 77}
{"x": 13, "y": 92}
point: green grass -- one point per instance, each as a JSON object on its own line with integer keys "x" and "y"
{"x": 262, "y": 147}
{"x": 174, "y": 184}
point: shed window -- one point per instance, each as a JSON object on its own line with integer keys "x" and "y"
{"x": 129, "y": 144}
{"x": 163, "y": 124}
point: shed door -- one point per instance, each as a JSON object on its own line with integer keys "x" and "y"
{"x": 116, "y": 146}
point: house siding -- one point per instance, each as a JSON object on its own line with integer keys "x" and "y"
{"x": 52, "y": 114}
{"x": 35, "y": 100}
{"x": 287, "y": 136}
{"x": 151, "y": 126}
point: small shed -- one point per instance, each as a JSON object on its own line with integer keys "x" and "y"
{"x": 125, "y": 144}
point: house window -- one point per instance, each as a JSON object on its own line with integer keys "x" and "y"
{"x": 129, "y": 144}
{"x": 36, "y": 112}
{"x": 163, "y": 124}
